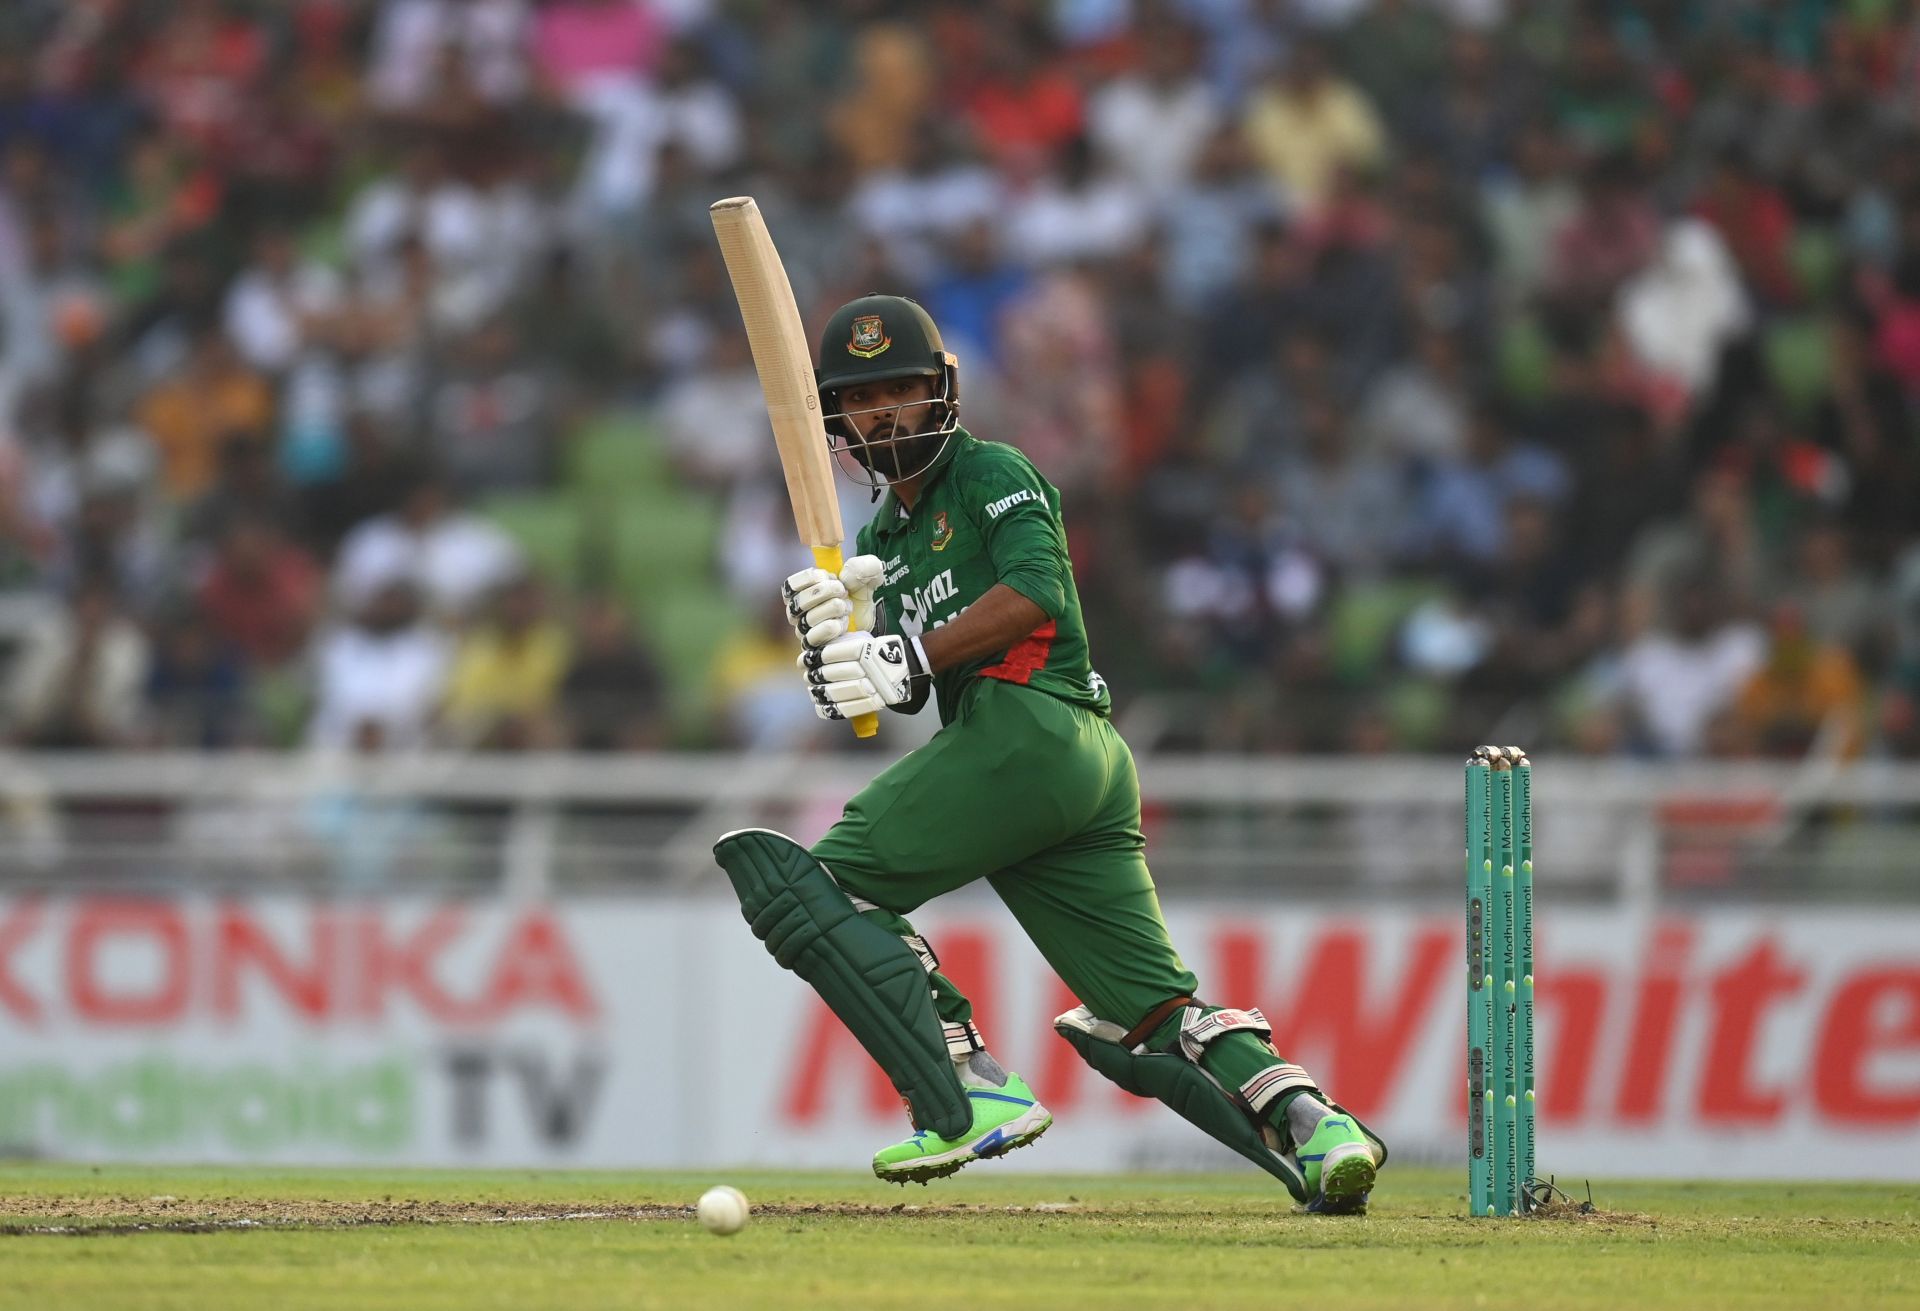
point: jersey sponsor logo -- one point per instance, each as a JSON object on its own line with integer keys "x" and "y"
{"x": 869, "y": 337}
{"x": 997, "y": 508}
{"x": 917, "y": 604}
{"x": 942, "y": 531}
{"x": 939, "y": 589}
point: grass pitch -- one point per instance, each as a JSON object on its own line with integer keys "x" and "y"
{"x": 79, "y": 1238}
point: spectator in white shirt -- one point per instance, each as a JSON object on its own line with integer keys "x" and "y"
{"x": 278, "y": 303}
{"x": 1153, "y": 124}
{"x": 632, "y": 120}
{"x": 490, "y": 37}
{"x": 78, "y": 679}
{"x": 1083, "y": 211}
{"x": 1211, "y": 225}
{"x": 455, "y": 558}
{"x": 915, "y": 210}
{"x": 1675, "y": 680}
{"x": 383, "y": 669}
{"x": 425, "y": 196}
{"x": 481, "y": 236}
{"x": 1680, "y": 313}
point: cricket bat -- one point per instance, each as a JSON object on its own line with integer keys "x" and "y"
{"x": 785, "y": 365}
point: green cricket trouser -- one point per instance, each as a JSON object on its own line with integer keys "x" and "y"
{"x": 1039, "y": 798}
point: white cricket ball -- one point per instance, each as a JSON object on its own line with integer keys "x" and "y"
{"x": 723, "y": 1209}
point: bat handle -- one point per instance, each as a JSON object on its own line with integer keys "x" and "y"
{"x": 829, "y": 558}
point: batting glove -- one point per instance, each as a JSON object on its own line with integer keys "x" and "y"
{"x": 859, "y": 674}
{"x": 823, "y": 606}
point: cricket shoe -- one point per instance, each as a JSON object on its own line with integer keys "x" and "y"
{"x": 1004, "y": 1118}
{"x": 1339, "y": 1165}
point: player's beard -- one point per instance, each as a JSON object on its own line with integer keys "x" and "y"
{"x": 898, "y": 451}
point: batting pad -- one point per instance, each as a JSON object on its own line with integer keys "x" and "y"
{"x": 1194, "y": 1094}
{"x": 866, "y": 975}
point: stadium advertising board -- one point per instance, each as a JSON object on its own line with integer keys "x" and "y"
{"x": 656, "y": 1032}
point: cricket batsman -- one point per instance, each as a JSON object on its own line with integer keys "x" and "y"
{"x": 962, "y": 593}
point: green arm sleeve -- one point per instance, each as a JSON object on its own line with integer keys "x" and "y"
{"x": 1024, "y": 538}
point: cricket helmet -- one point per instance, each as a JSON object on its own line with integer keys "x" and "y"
{"x": 875, "y": 339}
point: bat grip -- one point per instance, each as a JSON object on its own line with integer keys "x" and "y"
{"x": 829, "y": 558}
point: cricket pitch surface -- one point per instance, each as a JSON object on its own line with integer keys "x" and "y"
{"x": 80, "y": 1237}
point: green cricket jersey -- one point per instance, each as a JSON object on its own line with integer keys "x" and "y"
{"x": 985, "y": 516}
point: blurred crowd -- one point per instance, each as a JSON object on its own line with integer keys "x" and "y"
{"x": 1416, "y": 372}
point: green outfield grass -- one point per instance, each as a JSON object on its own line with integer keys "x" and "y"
{"x": 423, "y": 1240}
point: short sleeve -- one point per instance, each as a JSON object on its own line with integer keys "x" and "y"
{"x": 1013, "y": 507}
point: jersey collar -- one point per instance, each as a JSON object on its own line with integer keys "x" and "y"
{"x": 892, "y": 516}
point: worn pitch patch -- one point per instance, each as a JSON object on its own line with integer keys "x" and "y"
{"x": 83, "y": 1217}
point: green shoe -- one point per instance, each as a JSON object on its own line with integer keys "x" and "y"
{"x": 1003, "y": 1118}
{"x": 1339, "y": 1164}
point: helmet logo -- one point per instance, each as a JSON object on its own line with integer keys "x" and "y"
{"x": 869, "y": 337}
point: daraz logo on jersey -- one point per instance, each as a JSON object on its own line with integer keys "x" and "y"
{"x": 997, "y": 508}
{"x": 938, "y": 591}
{"x": 917, "y": 604}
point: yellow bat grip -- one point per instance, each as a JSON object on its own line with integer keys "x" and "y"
{"x": 828, "y": 558}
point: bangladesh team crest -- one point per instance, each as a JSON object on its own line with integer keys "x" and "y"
{"x": 869, "y": 337}
{"x": 942, "y": 531}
